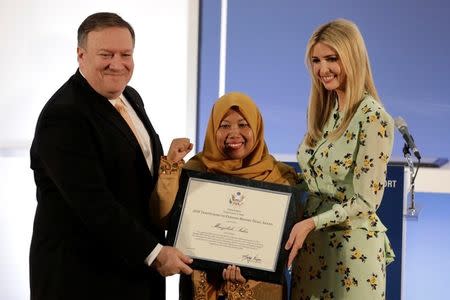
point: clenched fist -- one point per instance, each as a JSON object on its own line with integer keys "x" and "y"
{"x": 179, "y": 148}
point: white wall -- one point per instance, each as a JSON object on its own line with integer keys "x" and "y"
{"x": 38, "y": 54}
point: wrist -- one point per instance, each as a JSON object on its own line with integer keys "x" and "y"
{"x": 170, "y": 157}
{"x": 310, "y": 223}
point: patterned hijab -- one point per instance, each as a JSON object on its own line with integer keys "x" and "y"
{"x": 258, "y": 164}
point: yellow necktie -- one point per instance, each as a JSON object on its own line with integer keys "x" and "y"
{"x": 120, "y": 106}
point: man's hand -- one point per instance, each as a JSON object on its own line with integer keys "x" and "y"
{"x": 297, "y": 236}
{"x": 179, "y": 148}
{"x": 172, "y": 261}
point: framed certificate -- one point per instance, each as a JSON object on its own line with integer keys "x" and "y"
{"x": 221, "y": 220}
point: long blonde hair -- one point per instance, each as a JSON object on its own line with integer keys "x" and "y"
{"x": 345, "y": 38}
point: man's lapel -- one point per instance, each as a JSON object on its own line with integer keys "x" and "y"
{"x": 138, "y": 106}
{"x": 103, "y": 108}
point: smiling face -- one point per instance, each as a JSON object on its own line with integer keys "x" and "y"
{"x": 234, "y": 137}
{"x": 106, "y": 60}
{"x": 327, "y": 67}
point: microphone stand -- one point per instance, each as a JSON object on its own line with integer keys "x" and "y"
{"x": 412, "y": 211}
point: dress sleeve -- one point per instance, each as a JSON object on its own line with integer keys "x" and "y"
{"x": 375, "y": 142}
{"x": 164, "y": 194}
{"x": 301, "y": 182}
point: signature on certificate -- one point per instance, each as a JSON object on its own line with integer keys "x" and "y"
{"x": 248, "y": 258}
{"x": 226, "y": 227}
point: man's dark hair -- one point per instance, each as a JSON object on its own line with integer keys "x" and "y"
{"x": 101, "y": 20}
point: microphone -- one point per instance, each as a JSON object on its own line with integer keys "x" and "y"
{"x": 403, "y": 128}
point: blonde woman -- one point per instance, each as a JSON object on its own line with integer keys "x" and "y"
{"x": 340, "y": 247}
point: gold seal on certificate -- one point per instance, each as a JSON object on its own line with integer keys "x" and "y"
{"x": 220, "y": 220}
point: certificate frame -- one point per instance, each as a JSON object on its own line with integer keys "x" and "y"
{"x": 195, "y": 188}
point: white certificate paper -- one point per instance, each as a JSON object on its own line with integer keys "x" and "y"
{"x": 232, "y": 224}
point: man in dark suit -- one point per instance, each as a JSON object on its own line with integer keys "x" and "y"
{"x": 95, "y": 168}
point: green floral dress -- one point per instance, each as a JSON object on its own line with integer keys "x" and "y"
{"x": 346, "y": 256}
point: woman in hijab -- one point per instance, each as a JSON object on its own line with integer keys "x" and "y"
{"x": 234, "y": 145}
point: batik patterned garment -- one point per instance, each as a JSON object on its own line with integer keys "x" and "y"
{"x": 345, "y": 257}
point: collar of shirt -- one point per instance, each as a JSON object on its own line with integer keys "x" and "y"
{"x": 124, "y": 100}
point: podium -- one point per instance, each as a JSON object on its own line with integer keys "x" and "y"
{"x": 391, "y": 213}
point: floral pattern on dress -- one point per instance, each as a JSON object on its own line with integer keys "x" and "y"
{"x": 346, "y": 256}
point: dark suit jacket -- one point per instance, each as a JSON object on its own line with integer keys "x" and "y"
{"x": 91, "y": 230}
